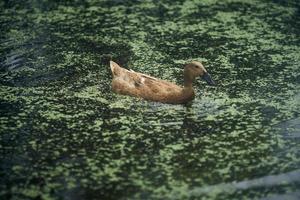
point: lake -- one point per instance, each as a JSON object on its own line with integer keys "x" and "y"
{"x": 65, "y": 135}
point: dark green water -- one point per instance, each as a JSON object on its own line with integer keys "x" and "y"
{"x": 65, "y": 135}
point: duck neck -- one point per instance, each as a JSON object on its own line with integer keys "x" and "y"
{"x": 188, "y": 80}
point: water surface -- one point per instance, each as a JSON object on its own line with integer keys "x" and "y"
{"x": 65, "y": 135}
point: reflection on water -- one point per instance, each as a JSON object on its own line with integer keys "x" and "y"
{"x": 270, "y": 181}
{"x": 65, "y": 135}
{"x": 291, "y": 128}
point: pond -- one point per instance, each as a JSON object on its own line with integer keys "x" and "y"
{"x": 65, "y": 135}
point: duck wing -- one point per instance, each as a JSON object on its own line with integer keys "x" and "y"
{"x": 144, "y": 75}
{"x": 150, "y": 81}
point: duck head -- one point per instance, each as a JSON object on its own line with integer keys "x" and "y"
{"x": 193, "y": 70}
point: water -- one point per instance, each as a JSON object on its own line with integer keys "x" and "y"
{"x": 65, "y": 135}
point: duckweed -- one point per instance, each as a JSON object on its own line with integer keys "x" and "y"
{"x": 65, "y": 135}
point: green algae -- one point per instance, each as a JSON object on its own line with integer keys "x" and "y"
{"x": 65, "y": 135}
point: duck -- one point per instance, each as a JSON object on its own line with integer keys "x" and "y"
{"x": 136, "y": 84}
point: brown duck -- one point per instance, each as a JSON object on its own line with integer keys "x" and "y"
{"x": 128, "y": 82}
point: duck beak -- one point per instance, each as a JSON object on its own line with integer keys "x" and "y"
{"x": 206, "y": 76}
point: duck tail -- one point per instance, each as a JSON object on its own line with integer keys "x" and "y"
{"x": 115, "y": 68}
